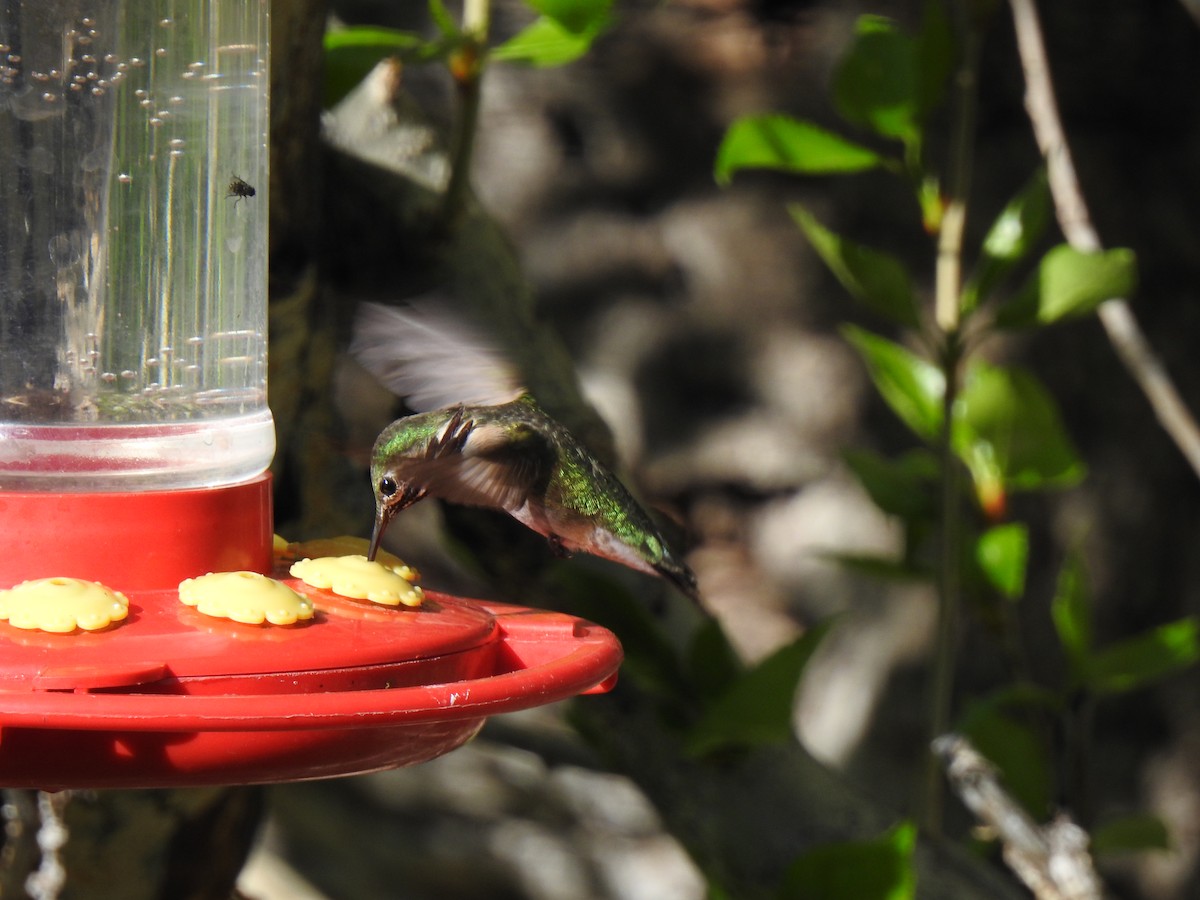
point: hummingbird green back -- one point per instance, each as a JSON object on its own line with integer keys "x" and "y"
{"x": 513, "y": 456}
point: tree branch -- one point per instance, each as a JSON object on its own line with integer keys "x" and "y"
{"x": 1052, "y": 860}
{"x": 1115, "y": 314}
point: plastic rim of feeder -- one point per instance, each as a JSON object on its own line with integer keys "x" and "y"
{"x": 177, "y": 699}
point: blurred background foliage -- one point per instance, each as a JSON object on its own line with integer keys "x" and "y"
{"x": 671, "y": 212}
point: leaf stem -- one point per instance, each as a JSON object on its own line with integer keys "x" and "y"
{"x": 1078, "y": 724}
{"x": 948, "y": 290}
{"x": 948, "y": 316}
{"x": 941, "y": 692}
{"x": 467, "y": 68}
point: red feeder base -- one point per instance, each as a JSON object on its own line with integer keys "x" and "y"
{"x": 170, "y": 697}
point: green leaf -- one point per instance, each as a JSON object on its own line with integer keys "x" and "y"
{"x": 785, "y": 144}
{"x": 1001, "y": 553}
{"x": 712, "y": 663}
{"x": 932, "y": 203}
{"x": 902, "y": 487}
{"x": 1130, "y": 834}
{"x": 880, "y": 567}
{"x": 576, "y": 16}
{"x": 1022, "y": 697}
{"x": 1071, "y": 612}
{"x": 1014, "y": 748}
{"x": 545, "y": 43}
{"x": 351, "y": 53}
{"x": 1021, "y": 222}
{"x": 443, "y": 20}
{"x": 1069, "y": 284}
{"x": 1149, "y": 657}
{"x": 877, "y": 83}
{"x": 935, "y": 57}
{"x": 881, "y": 869}
{"x": 1016, "y": 230}
{"x": 876, "y": 279}
{"x": 371, "y": 36}
{"x": 911, "y": 386}
{"x": 1007, "y": 430}
{"x": 757, "y": 708}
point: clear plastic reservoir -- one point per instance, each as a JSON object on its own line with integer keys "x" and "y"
{"x": 133, "y": 244}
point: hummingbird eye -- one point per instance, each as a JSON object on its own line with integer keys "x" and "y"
{"x": 388, "y": 486}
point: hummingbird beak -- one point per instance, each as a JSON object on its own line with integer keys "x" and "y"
{"x": 386, "y": 509}
{"x": 383, "y": 515}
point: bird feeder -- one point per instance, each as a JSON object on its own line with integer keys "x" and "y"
{"x": 135, "y": 439}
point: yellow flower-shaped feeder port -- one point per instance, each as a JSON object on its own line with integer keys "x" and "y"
{"x": 354, "y": 577}
{"x": 342, "y": 546}
{"x": 246, "y": 597}
{"x": 60, "y": 605}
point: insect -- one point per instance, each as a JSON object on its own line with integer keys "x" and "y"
{"x": 240, "y": 189}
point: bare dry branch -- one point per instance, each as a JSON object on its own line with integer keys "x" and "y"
{"x": 1115, "y": 314}
{"x": 1052, "y": 860}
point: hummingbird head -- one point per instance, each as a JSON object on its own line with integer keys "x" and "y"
{"x": 409, "y": 458}
{"x": 391, "y": 495}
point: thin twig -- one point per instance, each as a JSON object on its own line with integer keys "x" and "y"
{"x": 941, "y": 693}
{"x": 1116, "y": 316}
{"x": 947, "y": 310}
{"x": 468, "y": 77}
{"x": 948, "y": 298}
{"x": 1053, "y": 859}
{"x": 46, "y": 883}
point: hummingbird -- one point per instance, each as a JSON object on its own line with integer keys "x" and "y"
{"x": 495, "y": 448}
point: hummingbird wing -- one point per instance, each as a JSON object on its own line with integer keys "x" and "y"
{"x": 507, "y": 464}
{"x": 485, "y": 463}
{"x": 431, "y": 358}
